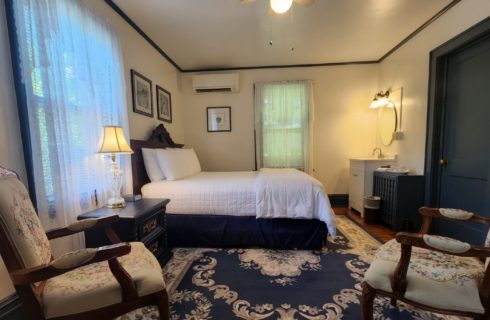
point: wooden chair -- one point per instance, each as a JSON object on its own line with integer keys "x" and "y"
{"x": 100, "y": 283}
{"x": 431, "y": 272}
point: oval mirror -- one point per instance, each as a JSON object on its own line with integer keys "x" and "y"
{"x": 387, "y": 121}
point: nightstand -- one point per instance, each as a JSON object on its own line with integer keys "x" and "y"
{"x": 143, "y": 220}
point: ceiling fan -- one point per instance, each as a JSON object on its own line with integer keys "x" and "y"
{"x": 281, "y": 6}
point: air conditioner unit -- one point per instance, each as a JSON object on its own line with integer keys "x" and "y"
{"x": 219, "y": 82}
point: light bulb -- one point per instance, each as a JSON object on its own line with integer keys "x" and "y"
{"x": 281, "y": 6}
{"x": 374, "y": 104}
{"x": 383, "y": 102}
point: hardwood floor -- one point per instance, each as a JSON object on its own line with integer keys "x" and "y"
{"x": 380, "y": 231}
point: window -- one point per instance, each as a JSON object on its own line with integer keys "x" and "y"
{"x": 73, "y": 76}
{"x": 282, "y": 125}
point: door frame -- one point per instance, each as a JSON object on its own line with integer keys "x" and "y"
{"x": 436, "y": 104}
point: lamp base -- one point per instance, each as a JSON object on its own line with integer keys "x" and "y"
{"x": 115, "y": 203}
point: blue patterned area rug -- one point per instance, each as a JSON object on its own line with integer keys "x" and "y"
{"x": 269, "y": 284}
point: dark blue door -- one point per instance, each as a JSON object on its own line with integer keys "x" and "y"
{"x": 465, "y": 171}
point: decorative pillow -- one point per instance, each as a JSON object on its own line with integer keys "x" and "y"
{"x": 151, "y": 164}
{"x": 178, "y": 163}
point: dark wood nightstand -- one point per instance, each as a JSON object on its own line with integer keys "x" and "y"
{"x": 143, "y": 220}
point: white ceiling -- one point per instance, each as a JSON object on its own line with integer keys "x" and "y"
{"x": 204, "y": 34}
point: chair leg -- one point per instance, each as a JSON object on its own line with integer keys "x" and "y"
{"x": 163, "y": 305}
{"x": 368, "y": 294}
{"x": 393, "y": 302}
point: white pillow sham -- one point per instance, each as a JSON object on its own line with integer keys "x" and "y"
{"x": 178, "y": 163}
{"x": 151, "y": 165}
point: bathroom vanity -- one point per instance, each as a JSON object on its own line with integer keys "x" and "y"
{"x": 361, "y": 178}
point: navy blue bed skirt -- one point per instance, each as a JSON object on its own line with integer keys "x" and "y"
{"x": 212, "y": 231}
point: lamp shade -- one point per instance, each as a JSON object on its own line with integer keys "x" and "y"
{"x": 113, "y": 141}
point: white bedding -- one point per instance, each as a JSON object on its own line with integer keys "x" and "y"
{"x": 269, "y": 193}
{"x": 220, "y": 193}
{"x": 289, "y": 193}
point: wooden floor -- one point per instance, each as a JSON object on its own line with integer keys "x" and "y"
{"x": 382, "y": 232}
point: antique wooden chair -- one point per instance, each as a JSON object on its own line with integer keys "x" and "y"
{"x": 431, "y": 272}
{"x": 94, "y": 283}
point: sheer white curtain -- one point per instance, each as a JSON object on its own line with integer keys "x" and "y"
{"x": 283, "y": 115}
{"x": 74, "y": 81}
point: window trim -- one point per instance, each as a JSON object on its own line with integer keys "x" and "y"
{"x": 20, "y": 93}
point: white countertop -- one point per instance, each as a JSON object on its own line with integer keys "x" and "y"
{"x": 388, "y": 157}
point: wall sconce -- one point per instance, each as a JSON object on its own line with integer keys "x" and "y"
{"x": 389, "y": 118}
{"x": 380, "y": 99}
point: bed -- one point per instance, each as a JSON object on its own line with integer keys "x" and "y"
{"x": 225, "y": 209}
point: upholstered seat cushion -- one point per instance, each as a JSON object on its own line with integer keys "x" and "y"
{"x": 433, "y": 278}
{"x": 93, "y": 286}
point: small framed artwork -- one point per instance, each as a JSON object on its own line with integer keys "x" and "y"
{"x": 219, "y": 119}
{"x": 164, "y": 105}
{"x": 142, "y": 94}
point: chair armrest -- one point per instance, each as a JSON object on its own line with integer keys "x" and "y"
{"x": 408, "y": 240}
{"x": 81, "y": 225}
{"x": 417, "y": 240}
{"x": 448, "y": 214}
{"x": 69, "y": 262}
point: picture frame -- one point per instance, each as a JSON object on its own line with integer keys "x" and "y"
{"x": 141, "y": 88}
{"x": 219, "y": 119}
{"x": 164, "y": 105}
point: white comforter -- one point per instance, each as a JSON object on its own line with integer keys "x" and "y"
{"x": 289, "y": 193}
{"x": 269, "y": 193}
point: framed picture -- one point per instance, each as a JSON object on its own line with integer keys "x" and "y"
{"x": 164, "y": 105}
{"x": 219, "y": 119}
{"x": 142, "y": 94}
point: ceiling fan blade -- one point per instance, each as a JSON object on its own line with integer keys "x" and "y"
{"x": 305, "y": 2}
{"x": 244, "y": 2}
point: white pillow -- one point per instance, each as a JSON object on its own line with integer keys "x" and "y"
{"x": 178, "y": 163}
{"x": 151, "y": 165}
{"x": 191, "y": 156}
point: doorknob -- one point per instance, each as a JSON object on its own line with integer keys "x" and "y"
{"x": 443, "y": 162}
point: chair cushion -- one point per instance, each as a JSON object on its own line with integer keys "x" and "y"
{"x": 21, "y": 223}
{"x": 93, "y": 286}
{"x": 433, "y": 278}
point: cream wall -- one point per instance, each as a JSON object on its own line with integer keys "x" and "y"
{"x": 11, "y": 154}
{"x": 408, "y": 67}
{"x": 142, "y": 57}
{"x": 343, "y": 124}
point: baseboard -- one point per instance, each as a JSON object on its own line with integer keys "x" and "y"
{"x": 11, "y": 308}
{"x": 339, "y": 200}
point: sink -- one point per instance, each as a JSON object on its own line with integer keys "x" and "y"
{"x": 375, "y": 158}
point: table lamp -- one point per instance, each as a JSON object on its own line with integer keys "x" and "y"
{"x": 113, "y": 142}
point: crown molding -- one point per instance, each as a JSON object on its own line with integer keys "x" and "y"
{"x": 133, "y": 24}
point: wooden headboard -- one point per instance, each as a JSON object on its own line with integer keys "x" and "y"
{"x": 159, "y": 138}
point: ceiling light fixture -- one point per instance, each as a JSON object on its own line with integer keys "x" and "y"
{"x": 281, "y": 6}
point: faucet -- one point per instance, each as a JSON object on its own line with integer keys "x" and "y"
{"x": 380, "y": 154}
